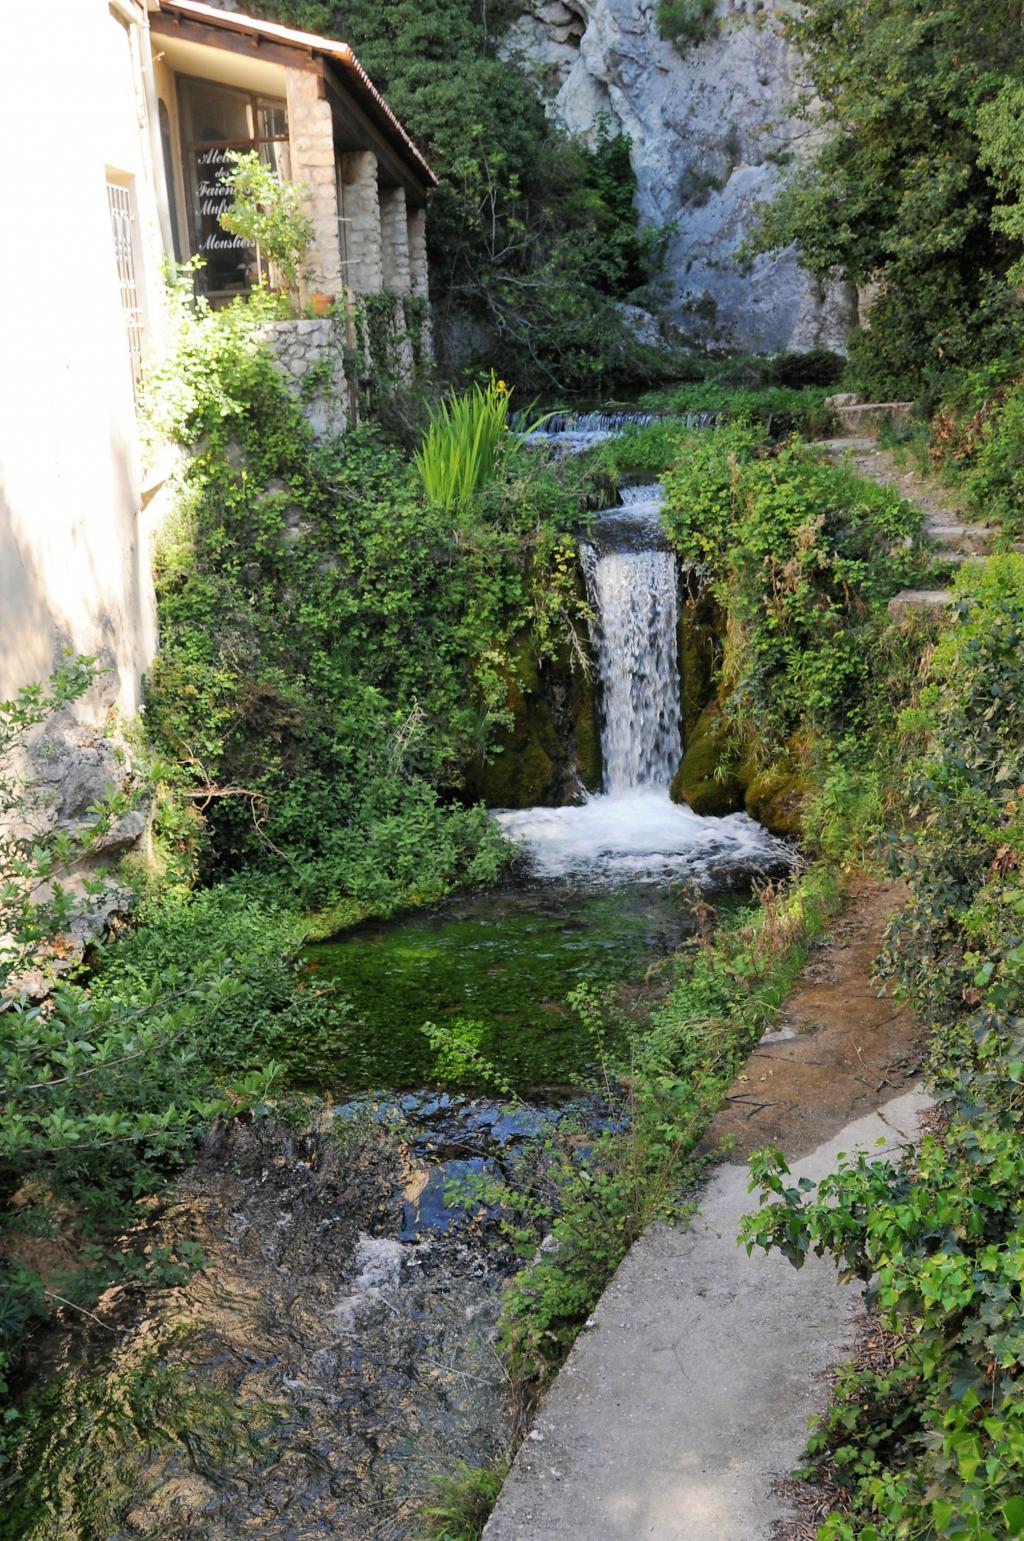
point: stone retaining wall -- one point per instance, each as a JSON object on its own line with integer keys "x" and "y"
{"x": 317, "y": 345}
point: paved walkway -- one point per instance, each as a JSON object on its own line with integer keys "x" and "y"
{"x": 690, "y": 1392}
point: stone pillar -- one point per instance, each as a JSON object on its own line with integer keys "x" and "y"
{"x": 394, "y": 230}
{"x": 416, "y": 236}
{"x": 416, "y": 240}
{"x": 311, "y": 142}
{"x": 361, "y": 213}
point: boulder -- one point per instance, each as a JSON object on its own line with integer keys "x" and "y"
{"x": 775, "y": 796}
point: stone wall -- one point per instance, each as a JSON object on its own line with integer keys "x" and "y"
{"x": 310, "y": 355}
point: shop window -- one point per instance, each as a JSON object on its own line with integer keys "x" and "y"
{"x": 214, "y": 120}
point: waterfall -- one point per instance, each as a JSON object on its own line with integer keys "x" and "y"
{"x": 635, "y": 607}
{"x": 633, "y": 832}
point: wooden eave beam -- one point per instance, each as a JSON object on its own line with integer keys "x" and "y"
{"x": 229, "y": 40}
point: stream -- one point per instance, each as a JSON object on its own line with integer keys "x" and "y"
{"x": 347, "y": 1308}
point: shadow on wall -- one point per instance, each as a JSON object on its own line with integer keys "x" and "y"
{"x": 78, "y": 580}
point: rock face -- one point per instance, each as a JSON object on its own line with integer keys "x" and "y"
{"x": 709, "y": 126}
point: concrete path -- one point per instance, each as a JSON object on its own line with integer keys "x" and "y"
{"x": 690, "y": 1393}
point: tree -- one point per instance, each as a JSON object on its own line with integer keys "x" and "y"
{"x": 898, "y": 194}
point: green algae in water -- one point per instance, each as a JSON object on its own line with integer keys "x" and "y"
{"x": 496, "y": 968}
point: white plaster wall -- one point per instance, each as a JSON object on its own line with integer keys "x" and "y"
{"x": 74, "y": 568}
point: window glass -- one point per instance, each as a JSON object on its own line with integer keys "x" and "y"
{"x": 215, "y": 120}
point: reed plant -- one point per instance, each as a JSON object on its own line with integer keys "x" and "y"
{"x": 469, "y": 442}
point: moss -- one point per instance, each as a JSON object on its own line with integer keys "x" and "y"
{"x": 522, "y": 767}
{"x": 553, "y": 748}
{"x": 708, "y": 778}
{"x": 586, "y": 727}
{"x": 699, "y": 630}
{"x": 775, "y": 795}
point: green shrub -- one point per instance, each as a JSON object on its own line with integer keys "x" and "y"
{"x": 820, "y": 366}
{"x": 802, "y": 556}
{"x": 269, "y": 212}
{"x": 911, "y": 182}
{"x": 685, "y": 22}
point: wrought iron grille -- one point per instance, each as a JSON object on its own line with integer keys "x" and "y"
{"x": 122, "y": 225}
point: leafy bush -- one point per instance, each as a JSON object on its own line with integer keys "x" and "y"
{"x": 801, "y": 555}
{"x": 902, "y": 191}
{"x": 268, "y": 212}
{"x": 977, "y": 437}
{"x": 820, "y": 366}
{"x": 685, "y": 22}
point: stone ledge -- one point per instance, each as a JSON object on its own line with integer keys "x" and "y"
{"x": 909, "y": 601}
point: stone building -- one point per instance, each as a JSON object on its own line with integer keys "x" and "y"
{"x": 225, "y": 82}
{"x": 143, "y": 98}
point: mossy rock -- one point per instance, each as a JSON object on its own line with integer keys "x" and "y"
{"x": 708, "y": 779}
{"x": 699, "y": 632}
{"x": 775, "y": 796}
{"x": 553, "y": 748}
{"x": 520, "y": 770}
{"x": 585, "y": 718}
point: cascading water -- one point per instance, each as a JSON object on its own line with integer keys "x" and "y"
{"x": 634, "y": 602}
{"x": 633, "y": 830}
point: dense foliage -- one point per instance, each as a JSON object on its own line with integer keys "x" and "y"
{"x": 934, "y": 1447}
{"x": 105, "y": 1091}
{"x": 976, "y": 439}
{"x": 335, "y": 647}
{"x": 801, "y": 555}
{"x": 909, "y": 189}
{"x": 531, "y": 235}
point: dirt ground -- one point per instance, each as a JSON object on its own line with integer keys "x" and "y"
{"x": 841, "y": 1047}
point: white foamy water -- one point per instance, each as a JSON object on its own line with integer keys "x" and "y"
{"x": 573, "y": 432}
{"x": 635, "y": 604}
{"x": 640, "y": 836}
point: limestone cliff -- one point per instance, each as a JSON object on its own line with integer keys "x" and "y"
{"x": 709, "y": 126}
